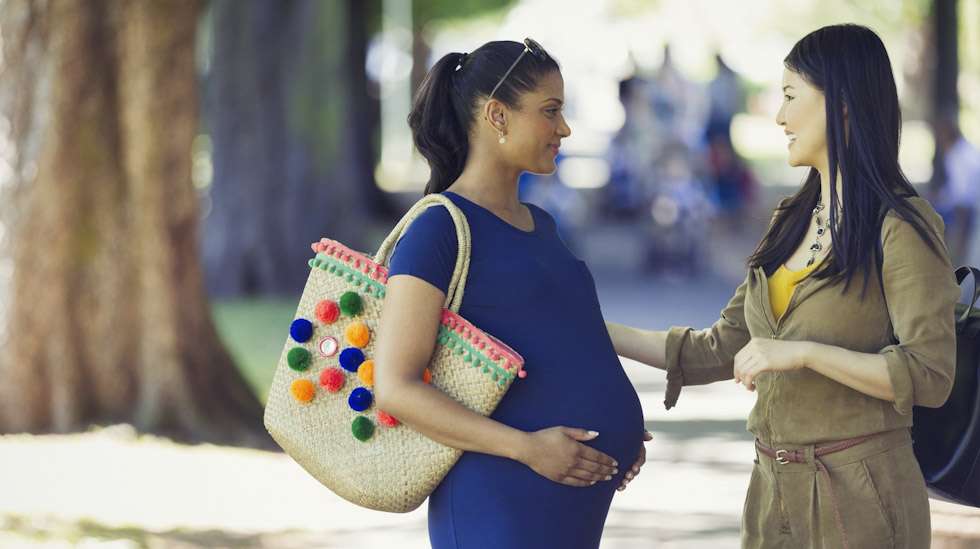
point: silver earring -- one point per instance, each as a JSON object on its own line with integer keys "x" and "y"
{"x": 502, "y": 139}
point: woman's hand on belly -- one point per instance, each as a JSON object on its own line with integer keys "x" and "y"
{"x": 640, "y": 460}
{"x": 558, "y": 454}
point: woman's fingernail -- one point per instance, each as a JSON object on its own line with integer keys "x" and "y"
{"x": 615, "y": 471}
{"x": 591, "y": 483}
{"x": 593, "y": 433}
{"x": 608, "y": 477}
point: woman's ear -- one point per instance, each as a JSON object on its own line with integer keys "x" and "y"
{"x": 495, "y": 113}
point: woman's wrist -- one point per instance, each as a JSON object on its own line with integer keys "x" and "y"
{"x": 517, "y": 446}
{"x": 807, "y": 352}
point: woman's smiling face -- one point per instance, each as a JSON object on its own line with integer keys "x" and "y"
{"x": 537, "y": 127}
{"x": 803, "y": 117}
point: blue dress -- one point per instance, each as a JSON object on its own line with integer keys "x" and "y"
{"x": 527, "y": 289}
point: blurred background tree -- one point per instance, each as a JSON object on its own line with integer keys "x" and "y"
{"x": 109, "y": 320}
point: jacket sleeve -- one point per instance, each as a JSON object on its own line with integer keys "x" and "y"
{"x": 921, "y": 292}
{"x": 697, "y": 357}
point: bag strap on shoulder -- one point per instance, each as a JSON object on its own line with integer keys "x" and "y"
{"x": 457, "y": 285}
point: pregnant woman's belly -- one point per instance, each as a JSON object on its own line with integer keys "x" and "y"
{"x": 489, "y": 501}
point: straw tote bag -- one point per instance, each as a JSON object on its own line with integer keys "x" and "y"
{"x": 320, "y": 407}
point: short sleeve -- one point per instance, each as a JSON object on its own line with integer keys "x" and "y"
{"x": 428, "y": 249}
{"x": 921, "y": 292}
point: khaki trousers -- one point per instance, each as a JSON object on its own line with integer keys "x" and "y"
{"x": 879, "y": 488}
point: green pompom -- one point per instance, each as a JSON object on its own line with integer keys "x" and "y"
{"x": 298, "y": 358}
{"x": 363, "y": 428}
{"x": 351, "y": 304}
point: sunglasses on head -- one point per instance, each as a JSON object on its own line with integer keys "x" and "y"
{"x": 530, "y": 46}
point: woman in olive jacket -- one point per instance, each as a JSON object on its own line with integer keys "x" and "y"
{"x": 844, "y": 320}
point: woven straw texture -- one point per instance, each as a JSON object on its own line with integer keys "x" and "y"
{"x": 396, "y": 468}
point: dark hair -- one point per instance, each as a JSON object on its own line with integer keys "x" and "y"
{"x": 443, "y": 110}
{"x": 849, "y": 64}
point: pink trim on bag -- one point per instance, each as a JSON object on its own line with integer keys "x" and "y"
{"x": 478, "y": 338}
{"x": 491, "y": 346}
{"x": 353, "y": 258}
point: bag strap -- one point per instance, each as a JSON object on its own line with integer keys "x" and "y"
{"x": 961, "y": 274}
{"x": 457, "y": 285}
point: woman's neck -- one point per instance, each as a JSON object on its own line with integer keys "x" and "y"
{"x": 825, "y": 187}
{"x": 489, "y": 185}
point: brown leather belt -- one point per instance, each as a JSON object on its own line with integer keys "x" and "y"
{"x": 783, "y": 457}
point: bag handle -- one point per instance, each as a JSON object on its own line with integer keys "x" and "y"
{"x": 961, "y": 273}
{"x": 457, "y": 285}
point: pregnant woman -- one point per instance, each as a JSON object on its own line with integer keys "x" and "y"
{"x": 542, "y": 470}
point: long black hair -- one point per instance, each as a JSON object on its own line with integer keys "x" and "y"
{"x": 849, "y": 64}
{"x": 445, "y": 104}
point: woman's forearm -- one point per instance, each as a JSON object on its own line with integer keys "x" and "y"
{"x": 864, "y": 372}
{"x": 646, "y": 346}
{"x": 439, "y": 417}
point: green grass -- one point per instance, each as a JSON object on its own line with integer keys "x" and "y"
{"x": 255, "y": 330}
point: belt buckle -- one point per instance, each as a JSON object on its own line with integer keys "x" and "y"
{"x": 781, "y": 457}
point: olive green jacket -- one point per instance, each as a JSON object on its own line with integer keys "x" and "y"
{"x": 910, "y": 323}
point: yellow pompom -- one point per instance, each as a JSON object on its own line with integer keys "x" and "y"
{"x": 365, "y": 372}
{"x": 358, "y": 334}
{"x": 302, "y": 390}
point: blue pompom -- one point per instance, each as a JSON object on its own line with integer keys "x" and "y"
{"x": 301, "y": 330}
{"x": 351, "y": 358}
{"x": 360, "y": 399}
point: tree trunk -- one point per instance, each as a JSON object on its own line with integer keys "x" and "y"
{"x": 291, "y": 125}
{"x": 109, "y": 319}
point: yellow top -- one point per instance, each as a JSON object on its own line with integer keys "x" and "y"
{"x": 781, "y": 286}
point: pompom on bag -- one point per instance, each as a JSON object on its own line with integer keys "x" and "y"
{"x": 320, "y": 408}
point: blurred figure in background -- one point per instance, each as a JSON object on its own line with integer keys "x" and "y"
{"x": 726, "y": 98}
{"x": 959, "y": 190}
{"x": 731, "y": 183}
{"x": 630, "y": 160}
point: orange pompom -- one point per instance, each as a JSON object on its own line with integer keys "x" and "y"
{"x": 358, "y": 334}
{"x": 302, "y": 390}
{"x": 427, "y": 376}
{"x": 365, "y": 372}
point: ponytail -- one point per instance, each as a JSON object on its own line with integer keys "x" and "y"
{"x": 440, "y": 123}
